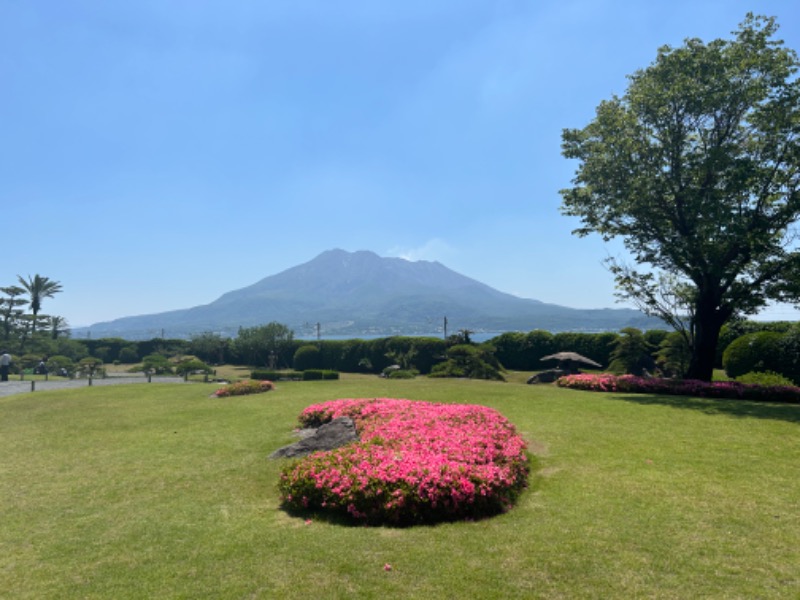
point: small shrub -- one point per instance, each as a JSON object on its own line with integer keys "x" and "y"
{"x": 469, "y": 361}
{"x": 91, "y": 365}
{"x": 632, "y": 353}
{"x": 243, "y": 388}
{"x": 402, "y": 374}
{"x": 156, "y": 363}
{"x": 767, "y": 378}
{"x": 29, "y": 361}
{"x": 61, "y": 365}
{"x": 190, "y": 366}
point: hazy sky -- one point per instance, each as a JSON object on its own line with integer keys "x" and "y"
{"x": 156, "y": 154}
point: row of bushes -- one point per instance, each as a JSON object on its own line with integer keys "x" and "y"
{"x": 514, "y": 350}
{"x": 307, "y": 375}
{"x": 733, "y": 390}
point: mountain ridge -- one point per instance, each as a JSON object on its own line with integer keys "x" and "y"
{"x": 361, "y": 293}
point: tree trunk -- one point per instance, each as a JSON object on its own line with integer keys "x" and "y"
{"x": 708, "y": 323}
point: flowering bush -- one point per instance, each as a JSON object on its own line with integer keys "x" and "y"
{"x": 686, "y": 387}
{"x": 243, "y": 388}
{"x": 415, "y": 462}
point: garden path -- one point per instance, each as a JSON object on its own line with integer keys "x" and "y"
{"x": 9, "y": 388}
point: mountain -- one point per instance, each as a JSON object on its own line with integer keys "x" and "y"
{"x": 361, "y": 293}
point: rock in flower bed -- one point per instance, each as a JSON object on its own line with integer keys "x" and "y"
{"x": 416, "y": 462}
{"x": 242, "y": 388}
{"x": 680, "y": 387}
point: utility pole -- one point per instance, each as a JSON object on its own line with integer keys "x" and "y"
{"x": 445, "y": 328}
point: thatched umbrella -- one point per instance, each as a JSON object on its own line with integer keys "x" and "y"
{"x": 567, "y": 359}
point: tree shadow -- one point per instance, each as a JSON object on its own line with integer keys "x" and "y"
{"x": 717, "y": 406}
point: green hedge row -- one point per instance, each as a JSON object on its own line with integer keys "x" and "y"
{"x": 307, "y": 375}
{"x": 319, "y": 374}
{"x": 514, "y": 350}
{"x": 269, "y": 375}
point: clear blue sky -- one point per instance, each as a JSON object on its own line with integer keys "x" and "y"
{"x": 156, "y": 154}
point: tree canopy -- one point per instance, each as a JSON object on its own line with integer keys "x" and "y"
{"x": 21, "y": 331}
{"x": 269, "y": 344}
{"x": 696, "y": 168}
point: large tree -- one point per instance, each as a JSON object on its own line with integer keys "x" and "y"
{"x": 269, "y": 344}
{"x": 38, "y": 289}
{"x": 696, "y": 168}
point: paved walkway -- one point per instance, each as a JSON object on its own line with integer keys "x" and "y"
{"x": 15, "y": 386}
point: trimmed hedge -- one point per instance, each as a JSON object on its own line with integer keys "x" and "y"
{"x": 319, "y": 374}
{"x": 275, "y": 375}
{"x": 402, "y": 374}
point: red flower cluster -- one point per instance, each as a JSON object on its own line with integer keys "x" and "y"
{"x": 415, "y": 462}
{"x": 242, "y": 388}
{"x": 605, "y": 382}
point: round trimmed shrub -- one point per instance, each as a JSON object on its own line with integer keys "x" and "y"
{"x": 753, "y": 352}
{"x": 307, "y": 357}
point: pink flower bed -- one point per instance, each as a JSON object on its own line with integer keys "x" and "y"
{"x": 242, "y": 388}
{"x": 605, "y": 382}
{"x": 415, "y": 462}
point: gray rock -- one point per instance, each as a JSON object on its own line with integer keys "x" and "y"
{"x": 331, "y": 435}
{"x": 546, "y": 376}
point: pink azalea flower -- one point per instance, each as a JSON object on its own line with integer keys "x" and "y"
{"x": 242, "y": 388}
{"x": 734, "y": 390}
{"x": 415, "y": 461}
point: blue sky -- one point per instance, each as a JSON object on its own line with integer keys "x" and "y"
{"x": 156, "y": 154}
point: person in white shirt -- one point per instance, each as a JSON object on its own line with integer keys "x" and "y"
{"x": 5, "y": 361}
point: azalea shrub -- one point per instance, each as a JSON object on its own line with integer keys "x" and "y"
{"x": 415, "y": 462}
{"x": 242, "y": 388}
{"x": 680, "y": 387}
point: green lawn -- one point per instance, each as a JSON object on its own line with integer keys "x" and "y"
{"x": 159, "y": 491}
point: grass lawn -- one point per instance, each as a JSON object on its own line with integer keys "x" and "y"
{"x": 160, "y": 491}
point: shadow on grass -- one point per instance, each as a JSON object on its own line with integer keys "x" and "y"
{"x": 343, "y": 520}
{"x": 717, "y": 406}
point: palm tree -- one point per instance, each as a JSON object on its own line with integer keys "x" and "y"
{"x": 38, "y": 289}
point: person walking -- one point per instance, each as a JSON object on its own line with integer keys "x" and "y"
{"x": 5, "y": 362}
